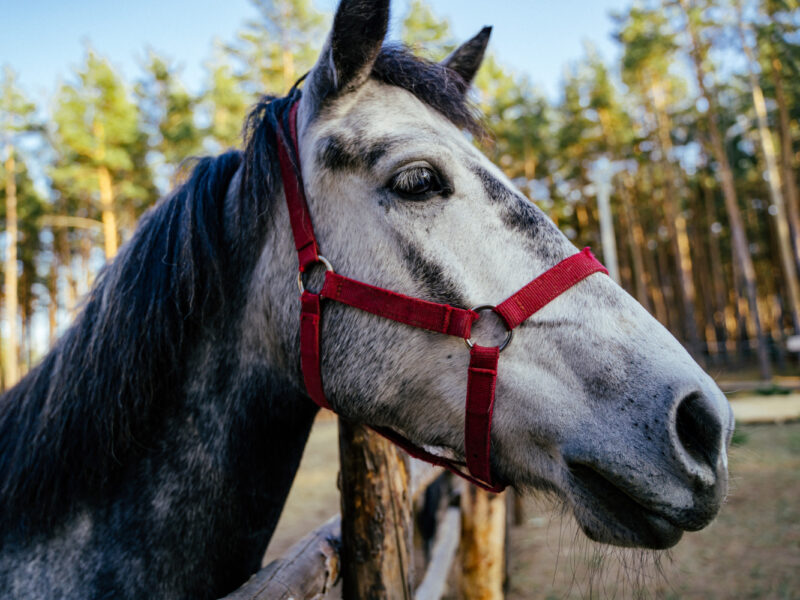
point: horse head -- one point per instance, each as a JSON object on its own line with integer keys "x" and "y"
{"x": 595, "y": 400}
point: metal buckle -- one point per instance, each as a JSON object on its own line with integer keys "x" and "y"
{"x": 320, "y": 259}
{"x": 509, "y": 331}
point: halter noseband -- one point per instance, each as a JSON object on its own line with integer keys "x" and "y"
{"x": 441, "y": 318}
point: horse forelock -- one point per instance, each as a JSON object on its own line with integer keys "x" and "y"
{"x": 433, "y": 83}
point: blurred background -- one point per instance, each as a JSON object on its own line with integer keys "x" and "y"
{"x": 665, "y": 134}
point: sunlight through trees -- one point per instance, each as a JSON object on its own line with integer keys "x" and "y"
{"x": 693, "y": 137}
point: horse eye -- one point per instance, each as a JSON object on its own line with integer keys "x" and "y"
{"x": 415, "y": 182}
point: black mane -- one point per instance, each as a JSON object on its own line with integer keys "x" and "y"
{"x": 68, "y": 426}
{"x": 71, "y": 426}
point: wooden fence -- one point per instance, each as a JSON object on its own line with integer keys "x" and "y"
{"x": 367, "y": 552}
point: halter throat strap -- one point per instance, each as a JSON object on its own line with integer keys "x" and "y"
{"x": 415, "y": 312}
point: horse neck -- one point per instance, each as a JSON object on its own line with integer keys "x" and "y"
{"x": 239, "y": 448}
{"x": 208, "y": 475}
{"x": 239, "y": 429}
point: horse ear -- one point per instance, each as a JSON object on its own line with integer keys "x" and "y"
{"x": 467, "y": 58}
{"x": 353, "y": 44}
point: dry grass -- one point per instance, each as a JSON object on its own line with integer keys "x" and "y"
{"x": 752, "y": 550}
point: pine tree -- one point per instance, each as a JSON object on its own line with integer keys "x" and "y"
{"x": 772, "y": 174}
{"x": 427, "y": 33}
{"x": 31, "y": 207}
{"x": 16, "y": 117}
{"x": 225, "y": 104}
{"x": 273, "y": 51}
{"x": 648, "y": 50}
{"x": 743, "y": 262}
{"x": 100, "y": 146}
{"x": 779, "y": 59}
{"x": 168, "y": 116}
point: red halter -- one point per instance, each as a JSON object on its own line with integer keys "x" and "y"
{"x": 441, "y": 318}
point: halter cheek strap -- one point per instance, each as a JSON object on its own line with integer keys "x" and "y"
{"x": 415, "y": 312}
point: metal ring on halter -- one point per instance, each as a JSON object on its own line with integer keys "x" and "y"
{"x": 509, "y": 331}
{"x": 320, "y": 259}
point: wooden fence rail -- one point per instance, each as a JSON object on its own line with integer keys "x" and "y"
{"x": 369, "y": 550}
{"x": 308, "y": 571}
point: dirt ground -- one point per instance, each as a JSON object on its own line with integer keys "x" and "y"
{"x": 751, "y": 551}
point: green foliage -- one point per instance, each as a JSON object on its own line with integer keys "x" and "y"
{"x": 97, "y": 125}
{"x": 95, "y": 118}
{"x": 427, "y": 33}
{"x": 17, "y": 119}
{"x": 168, "y": 113}
{"x": 226, "y": 104}
{"x": 740, "y": 437}
{"x": 648, "y": 45}
{"x": 773, "y": 390}
{"x": 273, "y": 51}
{"x": 16, "y": 111}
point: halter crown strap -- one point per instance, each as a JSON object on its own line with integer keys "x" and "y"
{"x": 415, "y": 312}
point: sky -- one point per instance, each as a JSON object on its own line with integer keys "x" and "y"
{"x": 48, "y": 38}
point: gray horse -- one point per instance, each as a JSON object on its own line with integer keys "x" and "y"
{"x": 150, "y": 454}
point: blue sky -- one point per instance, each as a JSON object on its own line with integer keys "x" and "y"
{"x": 48, "y": 37}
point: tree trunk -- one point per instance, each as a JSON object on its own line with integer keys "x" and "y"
{"x": 52, "y": 305}
{"x": 607, "y": 237}
{"x": 636, "y": 240}
{"x": 774, "y": 182}
{"x": 665, "y": 282}
{"x": 109, "y": 218}
{"x": 705, "y": 285}
{"x": 11, "y": 358}
{"x": 676, "y": 223}
{"x": 716, "y": 270}
{"x": 483, "y": 519}
{"x": 376, "y": 516}
{"x": 741, "y": 251}
{"x": 789, "y": 183}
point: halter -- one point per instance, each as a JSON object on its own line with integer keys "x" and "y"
{"x": 441, "y": 318}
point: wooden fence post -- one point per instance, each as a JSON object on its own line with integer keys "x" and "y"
{"x": 376, "y": 516}
{"x": 483, "y": 522}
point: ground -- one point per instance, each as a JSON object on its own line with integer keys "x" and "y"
{"x": 751, "y": 551}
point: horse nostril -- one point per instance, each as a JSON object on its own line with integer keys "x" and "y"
{"x": 699, "y": 431}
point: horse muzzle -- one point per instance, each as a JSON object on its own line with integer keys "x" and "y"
{"x": 647, "y": 488}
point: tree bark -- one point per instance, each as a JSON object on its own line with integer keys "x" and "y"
{"x": 11, "y": 277}
{"x": 376, "y": 516}
{"x": 741, "y": 251}
{"x": 483, "y": 519}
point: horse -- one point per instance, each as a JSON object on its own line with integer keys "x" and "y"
{"x": 151, "y": 451}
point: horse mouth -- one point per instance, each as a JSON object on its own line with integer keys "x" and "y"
{"x": 607, "y": 514}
